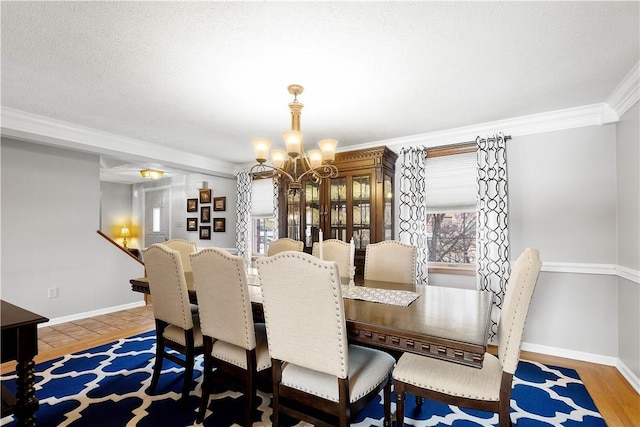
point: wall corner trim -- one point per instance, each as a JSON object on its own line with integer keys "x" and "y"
{"x": 627, "y": 93}
{"x": 628, "y": 375}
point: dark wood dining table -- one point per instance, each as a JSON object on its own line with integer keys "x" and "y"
{"x": 446, "y": 323}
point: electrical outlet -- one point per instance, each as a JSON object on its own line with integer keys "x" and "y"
{"x": 52, "y": 293}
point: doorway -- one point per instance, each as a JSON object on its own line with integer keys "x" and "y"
{"x": 157, "y": 215}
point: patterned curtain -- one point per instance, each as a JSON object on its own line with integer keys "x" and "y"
{"x": 276, "y": 212}
{"x": 243, "y": 216}
{"x": 492, "y": 244}
{"x": 413, "y": 206}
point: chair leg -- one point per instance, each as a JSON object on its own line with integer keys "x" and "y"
{"x": 276, "y": 376}
{"x": 157, "y": 365}
{"x": 387, "y": 404}
{"x": 206, "y": 382}
{"x": 249, "y": 396}
{"x": 504, "y": 416}
{"x": 188, "y": 379}
{"x": 400, "y": 397}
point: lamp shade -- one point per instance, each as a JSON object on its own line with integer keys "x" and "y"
{"x": 124, "y": 231}
{"x": 278, "y": 157}
{"x": 328, "y": 148}
{"x": 261, "y": 148}
{"x": 151, "y": 173}
{"x": 293, "y": 142}
{"x": 315, "y": 158}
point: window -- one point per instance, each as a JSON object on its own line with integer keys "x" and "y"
{"x": 451, "y": 240}
{"x": 262, "y": 220}
{"x": 155, "y": 224}
{"x": 262, "y": 235}
{"x": 451, "y": 209}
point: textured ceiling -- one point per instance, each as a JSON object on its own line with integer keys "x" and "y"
{"x": 207, "y": 77}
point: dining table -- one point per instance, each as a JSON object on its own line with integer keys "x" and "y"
{"x": 442, "y": 322}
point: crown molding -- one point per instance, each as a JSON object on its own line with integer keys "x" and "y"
{"x": 627, "y": 93}
{"x": 31, "y": 127}
{"x": 587, "y": 115}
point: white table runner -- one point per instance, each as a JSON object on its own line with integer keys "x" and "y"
{"x": 383, "y": 296}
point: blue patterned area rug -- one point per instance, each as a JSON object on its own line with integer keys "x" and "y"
{"x": 107, "y": 386}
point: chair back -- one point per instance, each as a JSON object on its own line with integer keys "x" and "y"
{"x": 185, "y": 247}
{"x": 304, "y": 312}
{"x": 168, "y": 286}
{"x": 520, "y": 287}
{"x": 284, "y": 244}
{"x": 334, "y": 250}
{"x": 390, "y": 261}
{"x": 220, "y": 281}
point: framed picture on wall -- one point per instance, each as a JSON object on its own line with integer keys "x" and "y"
{"x": 205, "y": 195}
{"x": 205, "y": 232}
{"x": 192, "y": 224}
{"x": 219, "y": 225}
{"x": 219, "y": 203}
{"x": 205, "y": 214}
{"x": 192, "y": 205}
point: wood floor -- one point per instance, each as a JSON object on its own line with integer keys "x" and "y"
{"x": 617, "y": 401}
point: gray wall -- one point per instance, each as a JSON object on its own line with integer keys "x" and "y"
{"x": 50, "y": 214}
{"x": 186, "y": 187}
{"x": 562, "y": 201}
{"x": 115, "y": 211}
{"x": 628, "y": 233}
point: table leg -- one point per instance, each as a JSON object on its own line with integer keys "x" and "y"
{"x": 27, "y": 403}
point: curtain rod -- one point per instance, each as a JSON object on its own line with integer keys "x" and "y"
{"x": 457, "y": 148}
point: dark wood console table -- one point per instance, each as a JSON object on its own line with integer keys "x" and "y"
{"x": 20, "y": 343}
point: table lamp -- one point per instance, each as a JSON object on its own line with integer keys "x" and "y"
{"x": 124, "y": 232}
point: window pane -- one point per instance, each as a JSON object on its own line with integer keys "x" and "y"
{"x": 451, "y": 237}
{"x": 155, "y": 227}
{"x": 262, "y": 235}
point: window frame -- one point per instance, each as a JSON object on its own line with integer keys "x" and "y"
{"x": 460, "y": 269}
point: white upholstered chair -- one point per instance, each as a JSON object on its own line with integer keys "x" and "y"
{"x": 176, "y": 327}
{"x": 236, "y": 352}
{"x": 334, "y": 250}
{"x": 284, "y": 244}
{"x": 185, "y": 247}
{"x": 317, "y": 376}
{"x": 488, "y": 388}
{"x": 390, "y": 261}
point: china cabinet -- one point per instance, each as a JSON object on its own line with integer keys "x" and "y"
{"x": 359, "y": 203}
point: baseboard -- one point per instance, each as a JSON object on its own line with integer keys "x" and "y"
{"x": 93, "y": 313}
{"x": 600, "y": 359}
{"x": 631, "y": 378}
{"x": 571, "y": 354}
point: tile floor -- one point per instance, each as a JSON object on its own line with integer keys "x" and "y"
{"x": 50, "y": 337}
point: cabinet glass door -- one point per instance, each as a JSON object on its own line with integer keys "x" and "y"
{"x": 338, "y": 209}
{"x": 311, "y": 213}
{"x": 293, "y": 215}
{"x": 361, "y": 210}
{"x": 387, "y": 220}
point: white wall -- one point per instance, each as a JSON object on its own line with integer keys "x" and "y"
{"x": 50, "y": 214}
{"x": 628, "y": 233}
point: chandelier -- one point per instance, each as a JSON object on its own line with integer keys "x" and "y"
{"x": 294, "y": 164}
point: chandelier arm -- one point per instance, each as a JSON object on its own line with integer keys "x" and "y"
{"x": 261, "y": 168}
{"x": 324, "y": 171}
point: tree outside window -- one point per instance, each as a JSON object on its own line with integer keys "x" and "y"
{"x": 451, "y": 237}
